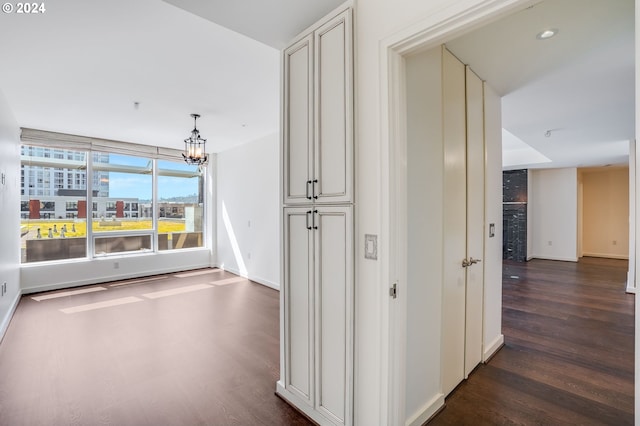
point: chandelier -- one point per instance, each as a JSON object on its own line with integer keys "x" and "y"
{"x": 194, "y": 150}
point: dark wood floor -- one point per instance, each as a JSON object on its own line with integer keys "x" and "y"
{"x": 205, "y": 357}
{"x": 569, "y": 350}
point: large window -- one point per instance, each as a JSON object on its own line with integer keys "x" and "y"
{"x": 180, "y": 206}
{"x": 51, "y": 228}
{"x": 92, "y": 203}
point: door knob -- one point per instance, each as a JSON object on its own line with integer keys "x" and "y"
{"x": 471, "y": 261}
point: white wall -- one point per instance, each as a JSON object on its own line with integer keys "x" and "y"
{"x": 425, "y": 230}
{"x": 248, "y": 240}
{"x": 9, "y": 213}
{"x": 554, "y": 214}
{"x": 492, "y": 327}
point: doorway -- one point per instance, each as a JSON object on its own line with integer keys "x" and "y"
{"x": 395, "y": 52}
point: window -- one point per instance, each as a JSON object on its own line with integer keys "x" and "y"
{"x": 120, "y": 188}
{"x": 48, "y": 231}
{"x": 180, "y": 206}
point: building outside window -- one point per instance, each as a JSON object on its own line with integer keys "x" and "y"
{"x": 53, "y": 208}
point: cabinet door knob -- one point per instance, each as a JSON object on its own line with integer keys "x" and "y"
{"x": 307, "y": 191}
{"x": 313, "y": 187}
{"x": 315, "y": 226}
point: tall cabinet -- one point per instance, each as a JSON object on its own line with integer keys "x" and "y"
{"x": 317, "y": 221}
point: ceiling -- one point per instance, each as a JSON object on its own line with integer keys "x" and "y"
{"x": 81, "y": 66}
{"x": 578, "y": 85}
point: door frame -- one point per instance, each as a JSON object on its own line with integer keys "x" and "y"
{"x": 437, "y": 28}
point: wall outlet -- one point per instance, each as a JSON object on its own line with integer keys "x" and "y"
{"x": 116, "y": 265}
{"x": 549, "y": 243}
{"x": 615, "y": 242}
{"x": 248, "y": 256}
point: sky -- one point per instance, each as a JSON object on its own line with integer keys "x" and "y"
{"x": 134, "y": 185}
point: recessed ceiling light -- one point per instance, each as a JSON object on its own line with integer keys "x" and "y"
{"x": 546, "y": 34}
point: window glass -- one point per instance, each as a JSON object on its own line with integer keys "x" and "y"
{"x": 120, "y": 184}
{"x": 56, "y": 212}
{"x": 180, "y": 205}
{"x": 52, "y": 207}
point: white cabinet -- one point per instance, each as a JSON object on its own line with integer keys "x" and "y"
{"x": 318, "y": 115}
{"x": 316, "y": 301}
{"x": 318, "y": 307}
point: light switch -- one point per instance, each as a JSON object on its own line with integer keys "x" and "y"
{"x": 371, "y": 246}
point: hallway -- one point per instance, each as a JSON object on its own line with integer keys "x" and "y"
{"x": 568, "y": 356}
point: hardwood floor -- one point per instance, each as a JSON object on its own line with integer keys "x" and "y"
{"x": 202, "y": 349}
{"x": 569, "y": 350}
{"x": 181, "y": 349}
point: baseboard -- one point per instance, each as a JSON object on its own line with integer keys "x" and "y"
{"x": 103, "y": 279}
{"x": 4, "y": 325}
{"x": 251, "y": 277}
{"x": 561, "y": 258}
{"x": 491, "y": 350}
{"x": 606, "y": 255}
{"x": 301, "y": 406}
{"x": 427, "y": 411}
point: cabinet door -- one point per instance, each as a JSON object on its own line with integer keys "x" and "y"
{"x": 298, "y": 303}
{"x": 333, "y": 165}
{"x": 298, "y": 121}
{"x": 334, "y": 312}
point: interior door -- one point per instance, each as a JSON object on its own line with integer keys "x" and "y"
{"x": 463, "y": 283}
{"x": 475, "y": 221}
{"x": 454, "y": 222}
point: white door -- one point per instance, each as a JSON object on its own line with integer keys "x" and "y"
{"x": 334, "y": 301}
{"x": 333, "y": 165}
{"x": 455, "y": 219}
{"x": 298, "y": 121}
{"x": 475, "y": 221}
{"x": 298, "y": 300}
{"x": 463, "y": 129}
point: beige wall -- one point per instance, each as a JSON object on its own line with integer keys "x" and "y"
{"x": 605, "y": 212}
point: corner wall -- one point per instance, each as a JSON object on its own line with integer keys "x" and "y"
{"x": 9, "y": 213}
{"x": 248, "y": 199}
{"x": 554, "y": 214}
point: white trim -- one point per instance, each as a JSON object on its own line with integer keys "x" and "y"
{"x": 251, "y": 277}
{"x": 427, "y": 411}
{"x": 560, "y": 258}
{"x": 4, "y": 326}
{"x": 631, "y": 273}
{"x": 490, "y": 351}
{"x": 606, "y": 255}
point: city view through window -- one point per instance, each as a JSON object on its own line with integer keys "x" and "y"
{"x": 62, "y": 219}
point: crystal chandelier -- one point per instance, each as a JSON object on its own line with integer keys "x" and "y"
{"x": 194, "y": 146}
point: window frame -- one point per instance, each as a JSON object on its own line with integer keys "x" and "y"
{"x": 33, "y": 141}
